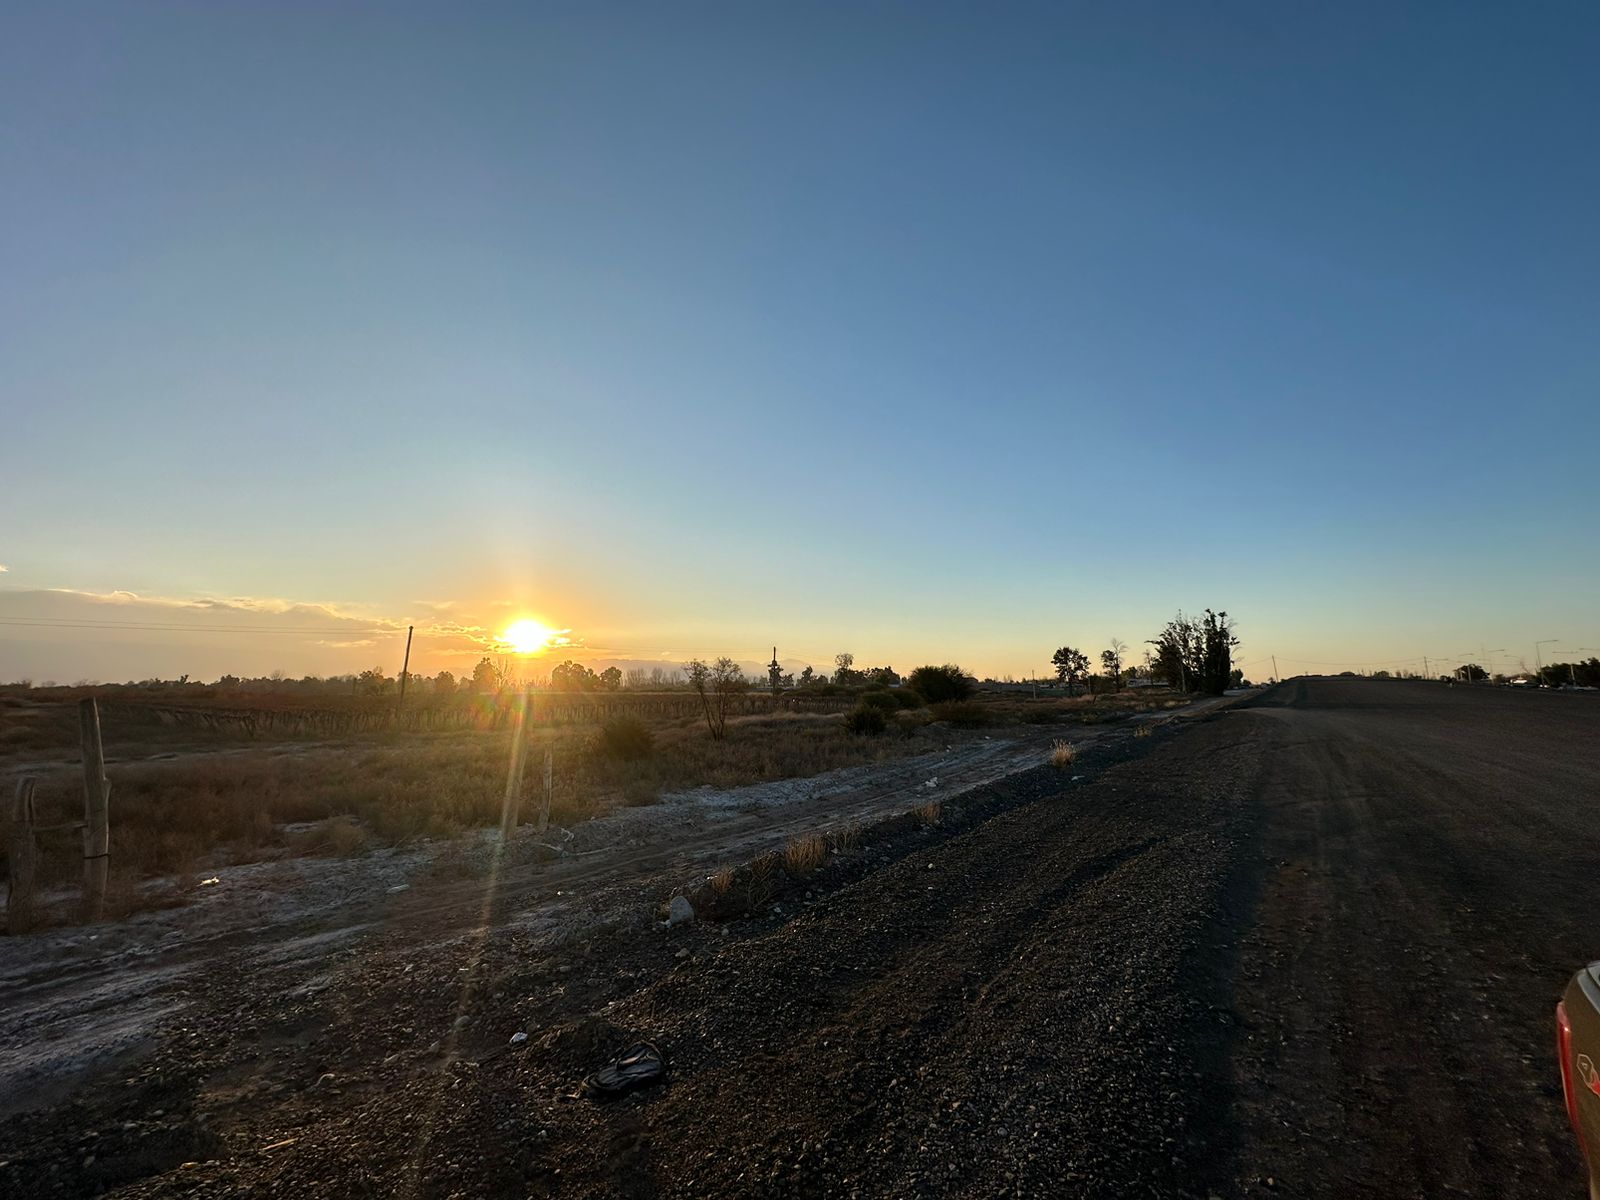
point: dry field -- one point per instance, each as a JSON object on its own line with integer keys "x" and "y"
{"x": 187, "y": 801}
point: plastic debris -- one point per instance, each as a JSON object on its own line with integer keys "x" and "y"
{"x": 518, "y": 1038}
{"x": 640, "y": 1064}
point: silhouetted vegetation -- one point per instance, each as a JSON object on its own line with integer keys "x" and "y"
{"x": 1196, "y": 655}
{"x": 626, "y": 738}
{"x": 866, "y": 720}
{"x": 937, "y": 685}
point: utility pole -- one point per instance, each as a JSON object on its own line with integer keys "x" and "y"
{"x": 405, "y": 668}
{"x": 1275, "y": 676}
{"x": 96, "y": 810}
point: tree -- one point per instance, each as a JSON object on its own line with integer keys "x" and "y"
{"x": 883, "y": 677}
{"x": 1217, "y": 643}
{"x": 716, "y": 685}
{"x": 486, "y": 677}
{"x": 1111, "y": 661}
{"x": 806, "y": 675}
{"x": 1179, "y": 654}
{"x": 774, "y": 673}
{"x": 1472, "y": 673}
{"x": 1071, "y": 665}
{"x": 844, "y": 672}
{"x": 939, "y": 684}
{"x": 573, "y": 677}
{"x": 611, "y": 678}
{"x": 1583, "y": 673}
{"x": 373, "y": 682}
{"x": 444, "y": 683}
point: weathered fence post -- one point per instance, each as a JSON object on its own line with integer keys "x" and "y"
{"x": 519, "y": 749}
{"x": 96, "y": 811}
{"x": 23, "y": 857}
{"x": 549, "y": 779}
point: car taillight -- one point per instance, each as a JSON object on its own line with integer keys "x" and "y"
{"x": 1568, "y": 1088}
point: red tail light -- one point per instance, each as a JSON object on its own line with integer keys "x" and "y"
{"x": 1568, "y": 1084}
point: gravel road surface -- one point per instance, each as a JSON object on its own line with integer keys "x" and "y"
{"x": 1307, "y": 944}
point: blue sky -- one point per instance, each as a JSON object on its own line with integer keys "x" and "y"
{"x": 921, "y": 331}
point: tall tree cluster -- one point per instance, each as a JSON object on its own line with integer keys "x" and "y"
{"x": 1196, "y": 654}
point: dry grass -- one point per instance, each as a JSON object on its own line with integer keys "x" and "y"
{"x": 1143, "y": 731}
{"x": 1062, "y": 755}
{"x": 337, "y": 837}
{"x": 1074, "y": 710}
{"x": 846, "y": 837}
{"x": 762, "y": 880}
{"x": 222, "y": 801}
{"x": 930, "y": 813}
{"x": 722, "y": 881}
{"x": 214, "y": 808}
{"x": 804, "y": 854}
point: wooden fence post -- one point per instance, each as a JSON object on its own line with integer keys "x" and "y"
{"x": 549, "y": 779}
{"x": 23, "y": 858}
{"x": 97, "y": 811}
{"x": 519, "y": 753}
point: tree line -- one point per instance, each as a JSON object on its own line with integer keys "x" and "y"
{"x": 1192, "y": 654}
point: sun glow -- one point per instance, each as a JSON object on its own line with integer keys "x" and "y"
{"x": 528, "y": 636}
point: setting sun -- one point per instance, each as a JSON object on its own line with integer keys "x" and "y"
{"x": 528, "y": 637}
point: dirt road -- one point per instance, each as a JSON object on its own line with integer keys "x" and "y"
{"x": 1432, "y": 857}
{"x": 1305, "y": 945}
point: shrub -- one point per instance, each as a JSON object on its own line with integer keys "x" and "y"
{"x": 1142, "y": 731}
{"x": 1062, "y": 755}
{"x": 804, "y": 854}
{"x": 866, "y": 721}
{"x": 882, "y": 699}
{"x": 939, "y": 684}
{"x": 847, "y": 837}
{"x": 906, "y": 698}
{"x": 627, "y": 738}
{"x": 964, "y": 714}
{"x": 930, "y": 813}
{"x": 339, "y": 837}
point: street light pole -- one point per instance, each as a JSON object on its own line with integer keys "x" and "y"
{"x": 1537, "y": 659}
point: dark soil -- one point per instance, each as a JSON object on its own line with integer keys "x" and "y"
{"x": 1306, "y": 946}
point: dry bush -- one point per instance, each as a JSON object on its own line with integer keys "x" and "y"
{"x": 336, "y": 837}
{"x": 1142, "y": 731}
{"x": 866, "y": 721}
{"x": 930, "y": 813}
{"x": 1062, "y": 755}
{"x": 963, "y": 714}
{"x": 761, "y": 882}
{"x": 804, "y": 854}
{"x": 626, "y": 738}
{"x": 847, "y": 837}
{"x": 722, "y": 881}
